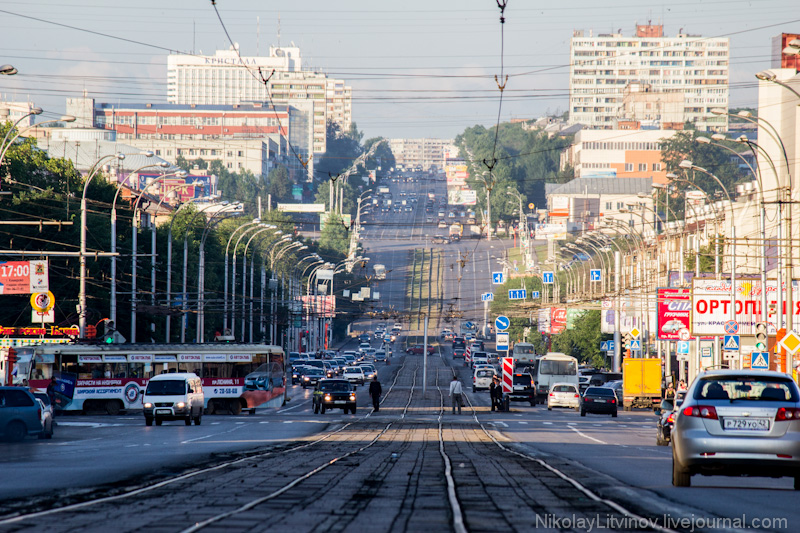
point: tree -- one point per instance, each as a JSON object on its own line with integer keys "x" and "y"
{"x": 280, "y": 186}
{"x": 334, "y": 237}
{"x": 181, "y": 162}
{"x": 383, "y": 155}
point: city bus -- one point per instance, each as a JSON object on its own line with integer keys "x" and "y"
{"x": 553, "y": 367}
{"x": 113, "y": 377}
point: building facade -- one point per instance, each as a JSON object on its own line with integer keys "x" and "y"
{"x": 226, "y": 78}
{"x": 426, "y": 154}
{"x": 580, "y": 204}
{"x": 602, "y": 66}
{"x": 617, "y": 154}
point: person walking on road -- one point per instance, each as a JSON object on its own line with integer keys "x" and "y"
{"x": 493, "y": 392}
{"x": 375, "y": 392}
{"x": 455, "y": 394}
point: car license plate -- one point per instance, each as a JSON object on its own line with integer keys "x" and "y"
{"x": 747, "y": 424}
{"x": 339, "y": 401}
{"x": 163, "y": 412}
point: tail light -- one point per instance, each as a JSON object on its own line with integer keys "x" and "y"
{"x": 577, "y": 395}
{"x": 671, "y": 418}
{"x": 587, "y": 400}
{"x": 614, "y": 400}
{"x": 787, "y": 413}
{"x": 701, "y": 411}
{"x": 552, "y": 394}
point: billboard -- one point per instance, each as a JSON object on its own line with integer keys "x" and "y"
{"x": 550, "y": 232}
{"x": 711, "y": 300}
{"x": 558, "y": 320}
{"x": 461, "y": 196}
{"x": 319, "y": 305}
{"x": 544, "y": 320}
{"x": 673, "y": 310}
{"x": 573, "y": 315}
{"x": 23, "y": 277}
{"x": 302, "y": 208}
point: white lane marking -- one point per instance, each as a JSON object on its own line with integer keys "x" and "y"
{"x": 196, "y": 438}
{"x": 584, "y": 435}
{"x": 547, "y": 423}
{"x": 501, "y": 424}
{"x": 215, "y": 423}
{"x": 288, "y": 421}
{"x": 521, "y": 422}
{"x": 263, "y": 422}
{"x": 239, "y": 423}
{"x": 290, "y": 408}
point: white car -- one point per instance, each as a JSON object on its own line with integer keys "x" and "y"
{"x": 482, "y": 378}
{"x": 369, "y": 371}
{"x": 354, "y": 374}
{"x": 564, "y": 395}
{"x": 672, "y": 326}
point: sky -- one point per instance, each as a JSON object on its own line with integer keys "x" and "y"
{"x": 418, "y": 68}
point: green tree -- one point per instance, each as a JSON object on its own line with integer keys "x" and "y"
{"x": 280, "y": 187}
{"x": 181, "y": 162}
{"x": 334, "y": 237}
{"x": 583, "y": 342}
{"x": 382, "y": 157}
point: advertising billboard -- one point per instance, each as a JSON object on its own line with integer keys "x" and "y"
{"x": 558, "y": 320}
{"x": 550, "y": 232}
{"x": 461, "y": 196}
{"x": 319, "y": 305}
{"x": 544, "y": 320}
{"x": 711, "y": 300}
{"x": 674, "y": 309}
{"x": 23, "y": 277}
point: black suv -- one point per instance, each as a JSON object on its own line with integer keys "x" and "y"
{"x": 524, "y": 391}
{"x": 334, "y": 394}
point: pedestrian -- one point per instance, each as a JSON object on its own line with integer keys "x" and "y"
{"x": 669, "y": 394}
{"x": 455, "y": 394}
{"x": 375, "y": 391}
{"x": 493, "y": 392}
{"x": 51, "y": 391}
{"x": 498, "y": 394}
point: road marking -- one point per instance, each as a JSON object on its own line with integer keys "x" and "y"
{"x": 521, "y": 422}
{"x": 197, "y": 438}
{"x": 547, "y": 423}
{"x": 215, "y": 423}
{"x": 290, "y": 408}
{"x": 501, "y": 424}
{"x": 239, "y": 423}
{"x": 263, "y": 422}
{"x": 288, "y": 421}
{"x": 579, "y": 432}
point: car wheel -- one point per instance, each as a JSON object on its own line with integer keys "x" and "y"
{"x": 681, "y": 476}
{"x": 188, "y": 421}
{"x": 549, "y": 408}
{"x": 474, "y": 389}
{"x": 198, "y": 420}
{"x": 532, "y": 403}
{"x": 353, "y": 410}
{"x": 614, "y": 414}
{"x": 583, "y": 413}
{"x": 113, "y": 407}
{"x": 148, "y": 421}
{"x": 15, "y": 431}
{"x": 159, "y": 421}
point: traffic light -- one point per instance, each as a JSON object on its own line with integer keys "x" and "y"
{"x": 108, "y": 331}
{"x": 761, "y": 336}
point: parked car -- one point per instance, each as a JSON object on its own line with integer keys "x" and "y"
{"x": 564, "y": 395}
{"x": 738, "y": 423}
{"x": 616, "y": 386}
{"x": 334, "y": 394}
{"x": 600, "y": 400}
{"x": 20, "y": 414}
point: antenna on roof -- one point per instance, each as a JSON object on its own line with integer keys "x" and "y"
{"x": 279, "y": 30}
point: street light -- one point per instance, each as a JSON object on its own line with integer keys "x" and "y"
{"x": 6, "y": 144}
{"x": 263, "y": 227}
{"x": 266, "y": 227}
{"x": 254, "y": 222}
{"x": 7, "y": 70}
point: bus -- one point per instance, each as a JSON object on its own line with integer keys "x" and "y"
{"x": 113, "y": 377}
{"x": 553, "y": 367}
{"x": 523, "y": 354}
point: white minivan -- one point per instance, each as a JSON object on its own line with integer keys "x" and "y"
{"x": 482, "y": 378}
{"x": 176, "y": 396}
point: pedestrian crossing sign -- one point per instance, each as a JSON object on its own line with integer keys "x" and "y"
{"x": 731, "y": 343}
{"x": 759, "y": 360}
{"x": 636, "y": 345}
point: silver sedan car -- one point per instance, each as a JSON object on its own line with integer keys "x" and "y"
{"x": 738, "y": 423}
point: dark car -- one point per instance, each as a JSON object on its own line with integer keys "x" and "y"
{"x": 601, "y": 400}
{"x": 616, "y": 386}
{"x": 364, "y": 337}
{"x": 523, "y": 389}
{"x": 20, "y": 414}
{"x": 312, "y": 376}
{"x": 459, "y": 342}
{"x": 297, "y": 373}
{"x": 334, "y": 394}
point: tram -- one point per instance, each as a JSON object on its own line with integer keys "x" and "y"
{"x": 113, "y": 377}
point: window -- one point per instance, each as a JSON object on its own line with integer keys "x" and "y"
{"x": 619, "y": 205}
{"x": 628, "y": 167}
{"x": 656, "y": 167}
{"x": 240, "y": 153}
{"x": 608, "y": 205}
{"x": 642, "y": 167}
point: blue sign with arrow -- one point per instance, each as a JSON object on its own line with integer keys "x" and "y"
{"x": 594, "y": 274}
{"x": 535, "y": 294}
{"x": 517, "y": 294}
{"x": 497, "y": 278}
{"x": 487, "y": 297}
{"x": 501, "y": 323}
{"x": 547, "y": 278}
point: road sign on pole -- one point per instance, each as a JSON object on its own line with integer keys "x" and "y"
{"x": 595, "y": 275}
{"x": 517, "y": 294}
{"x": 683, "y": 347}
{"x": 497, "y": 278}
{"x": 487, "y": 297}
{"x": 731, "y": 327}
{"x": 547, "y": 278}
{"x": 501, "y": 342}
{"x": 731, "y": 343}
{"x": 535, "y": 294}
{"x": 759, "y": 360}
{"x": 501, "y": 323}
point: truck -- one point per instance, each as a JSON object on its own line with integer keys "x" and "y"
{"x": 641, "y": 382}
{"x": 456, "y": 231}
{"x": 380, "y": 271}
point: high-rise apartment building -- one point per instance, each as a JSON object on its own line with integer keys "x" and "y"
{"x": 426, "y": 154}
{"x": 227, "y": 79}
{"x": 602, "y": 66}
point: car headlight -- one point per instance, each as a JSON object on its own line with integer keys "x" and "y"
{"x": 180, "y": 405}
{"x": 148, "y": 405}
{"x": 327, "y": 397}
{"x": 352, "y": 397}
{"x": 305, "y": 378}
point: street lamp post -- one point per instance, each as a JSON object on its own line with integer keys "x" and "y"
{"x": 255, "y": 222}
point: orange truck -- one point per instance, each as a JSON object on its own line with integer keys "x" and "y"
{"x": 641, "y": 382}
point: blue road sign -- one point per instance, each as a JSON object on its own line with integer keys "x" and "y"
{"x": 731, "y": 343}
{"x": 731, "y": 327}
{"x": 501, "y": 342}
{"x": 469, "y": 325}
{"x": 594, "y": 274}
{"x": 501, "y": 323}
{"x": 487, "y": 297}
{"x": 636, "y": 344}
{"x": 517, "y": 294}
{"x": 610, "y": 346}
{"x": 535, "y": 294}
{"x": 498, "y": 278}
{"x": 759, "y": 360}
{"x": 604, "y": 346}
{"x": 683, "y": 347}
{"x": 547, "y": 278}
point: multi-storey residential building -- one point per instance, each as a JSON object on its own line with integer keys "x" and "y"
{"x": 18, "y": 110}
{"x": 243, "y": 136}
{"x": 602, "y": 66}
{"x": 426, "y": 154}
{"x": 226, "y": 78}
{"x": 617, "y": 154}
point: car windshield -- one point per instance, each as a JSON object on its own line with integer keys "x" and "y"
{"x": 749, "y": 388}
{"x": 484, "y": 373}
{"x": 564, "y": 388}
{"x": 353, "y": 370}
{"x": 314, "y": 372}
{"x": 166, "y": 387}
{"x": 339, "y": 386}
{"x": 557, "y": 368}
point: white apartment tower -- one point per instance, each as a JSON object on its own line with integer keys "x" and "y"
{"x": 602, "y": 66}
{"x": 229, "y": 79}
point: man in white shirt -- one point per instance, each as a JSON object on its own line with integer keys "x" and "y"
{"x": 455, "y": 394}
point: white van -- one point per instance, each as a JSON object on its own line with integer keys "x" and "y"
{"x": 482, "y": 378}
{"x": 177, "y": 396}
